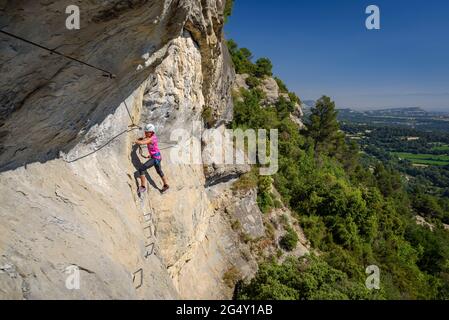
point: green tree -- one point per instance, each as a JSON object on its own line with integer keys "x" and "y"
{"x": 323, "y": 125}
{"x": 228, "y": 9}
{"x": 263, "y": 68}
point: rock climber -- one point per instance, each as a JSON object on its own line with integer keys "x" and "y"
{"x": 155, "y": 158}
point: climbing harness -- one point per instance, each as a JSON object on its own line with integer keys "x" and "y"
{"x": 53, "y": 51}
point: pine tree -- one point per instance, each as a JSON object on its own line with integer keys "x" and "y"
{"x": 323, "y": 126}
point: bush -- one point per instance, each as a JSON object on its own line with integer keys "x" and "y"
{"x": 252, "y": 82}
{"x": 278, "y": 204}
{"x": 228, "y": 9}
{"x": 263, "y": 68}
{"x": 231, "y": 277}
{"x": 265, "y": 202}
{"x": 290, "y": 240}
{"x": 208, "y": 117}
{"x": 246, "y": 182}
{"x": 241, "y": 58}
{"x": 294, "y": 98}
{"x": 236, "y": 225}
{"x": 264, "y": 198}
{"x": 282, "y": 87}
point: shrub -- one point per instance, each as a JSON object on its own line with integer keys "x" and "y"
{"x": 263, "y": 68}
{"x": 228, "y": 9}
{"x": 252, "y": 82}
{"x": 265, "y": 202}
{"x": 294, "y": 98}
{"x": 208, "y": 117}
{"x": 264, "y": 198}
{"x": 236, "y": 225}
{"x": 278, "y": 204}
{"x": 231, "y": 277}
{"x": 290, "y": 240}
{"x": 282, "y": 87}
{"x": 246, "y": 182}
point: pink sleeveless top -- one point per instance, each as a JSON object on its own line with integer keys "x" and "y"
{"x": 153, "y": 149}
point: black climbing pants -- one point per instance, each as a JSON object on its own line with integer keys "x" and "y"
{"x": 151, "y": 163}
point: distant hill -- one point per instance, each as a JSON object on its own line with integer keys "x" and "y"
{"x": 409, "y": 112}
{"x": 417, "y": 118}
{"x": 309, "y": 103}
{"x": 399, "y": 112}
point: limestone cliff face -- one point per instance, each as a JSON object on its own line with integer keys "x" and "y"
{"x": 67, "y": 165}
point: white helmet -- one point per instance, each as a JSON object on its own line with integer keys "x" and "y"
{"x": 150, "y": 128}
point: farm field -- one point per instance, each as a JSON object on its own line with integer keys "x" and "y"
{"x": 441, "y": 148}
{"x": 427, "y": 159}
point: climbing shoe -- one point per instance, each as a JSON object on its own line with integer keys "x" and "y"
{"x": 142, "y": 190}
{"x": 165, "y": 188}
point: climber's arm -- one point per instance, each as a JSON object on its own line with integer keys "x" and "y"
{"x": 143, "y": 141}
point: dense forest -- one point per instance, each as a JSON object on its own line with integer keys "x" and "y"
{"x": 355, "y": 211}
{"x": 420, "y": 156}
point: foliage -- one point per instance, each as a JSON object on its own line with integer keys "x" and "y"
{"x": 242, "y": 59}
{"x": 323, "y": 127}
{"x": 252, "y": 82}
{"x": 208, "y": 117}
{"x": 228, "y": 9}
{"x": 246, "y": 182}
{"x": 282, "y": 87}
{"x": 307, "y": 278}
{"x": 264, "y": 67}
{"x": 355, "y": 210}
{"x": 290, "y": 240}
{"x": 231, "y": 276}
{"x": 264, "y": 198}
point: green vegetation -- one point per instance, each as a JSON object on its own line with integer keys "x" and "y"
{"x": 242, "y": 59}
{"x": 355, "y": 216}
{"x": 228, "y": 9}
{"x": 427, "y": 159}
{"x": 263, "y": 68}
{"x": 422, "y": 159}
{"x": 444, "y": 148}
{"x": 282, "y": 87}
{"x": 253, "y": 82}
{"x": 290, "y": 240}
{"x": 231, "y": 276}
{"x": 308, "y": 278}
{"x": 208, "y": 117}
{"x": 323, "y": 127}
{"x": 355, "y": 210}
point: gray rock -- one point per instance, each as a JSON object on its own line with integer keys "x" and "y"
{"x": 247, "y": 212}
{"x": 67, "y": 181}
{"x": 271, "y": 89}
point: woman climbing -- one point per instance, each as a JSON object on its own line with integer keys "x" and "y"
{"x": 155, "y": 158}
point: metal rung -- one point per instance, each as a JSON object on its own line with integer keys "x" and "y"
{"x": 140, "y": 271}
{"x": 150, "y": 250}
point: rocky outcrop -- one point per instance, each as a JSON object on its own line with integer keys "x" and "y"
{"x": 272, "y": 94}
{"x": 271, "y": 89}
{"x": 68, "y": 169}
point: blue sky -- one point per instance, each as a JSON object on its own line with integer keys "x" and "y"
{"x": 323, "y": 47}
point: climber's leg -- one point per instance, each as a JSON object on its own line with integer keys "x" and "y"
{"x": 143, "y": 181}
{"x": 161, "y": 174}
